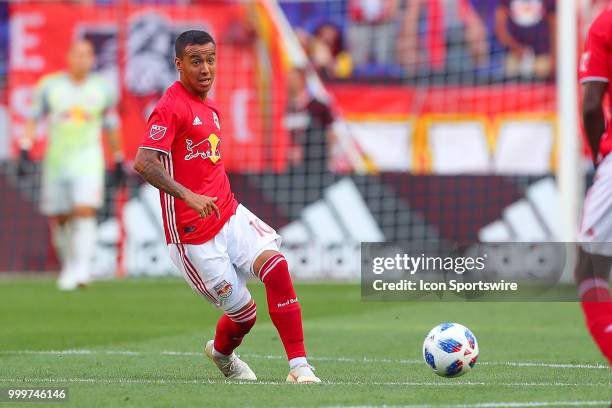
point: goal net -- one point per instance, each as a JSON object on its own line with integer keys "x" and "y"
{"x": 344, "y": 121}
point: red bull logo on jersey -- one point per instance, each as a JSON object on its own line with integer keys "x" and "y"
{"x": 76, "y": 114}
{"x": 206, "y": 149}
{"x": 223, "y": 289}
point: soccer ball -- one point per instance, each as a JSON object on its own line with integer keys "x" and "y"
{"x": 450, "y": 349}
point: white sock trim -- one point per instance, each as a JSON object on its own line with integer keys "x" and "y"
{"x": 217, "y": 354}
{"x": 591, "y": 283}
{"x": 298, "y": 361}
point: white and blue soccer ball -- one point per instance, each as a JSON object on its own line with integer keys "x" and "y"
{"x": 450, "y": 350}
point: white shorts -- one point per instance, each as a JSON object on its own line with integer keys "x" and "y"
{"x": 595, "y": 235}
{"x": 62, "y": 195}
{"x": 219, "y": 269}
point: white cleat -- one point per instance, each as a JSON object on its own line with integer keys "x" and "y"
{"x": 302, "y": 374}
{"x": 66, "y": 282}
{"x": 71, "y": 279}
{"x": 231, "y": 366}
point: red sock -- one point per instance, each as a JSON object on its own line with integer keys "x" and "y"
{"x": 597, "y": 307}
{"x": 232, "y": 328}
{"x": 283, "y": 305}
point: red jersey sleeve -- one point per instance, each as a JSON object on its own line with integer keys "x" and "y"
{"x": 594, "y": 61}
{"x": 161, "y": 130}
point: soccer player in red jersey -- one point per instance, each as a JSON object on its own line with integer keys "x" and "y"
{"x": 595, "y": 252}
{"x": 213, "y": 240}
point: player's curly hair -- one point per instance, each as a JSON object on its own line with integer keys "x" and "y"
{"x": 191, "y": 37}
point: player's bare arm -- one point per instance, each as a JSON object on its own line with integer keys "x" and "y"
{"x": 114, "y": 142}
{"x": 502, "y": 33}
{"x": 552, "y": 27}
{"x": 29, "y": 134}
{"x": 25, "y": 145}
{"x": 150, "y": 167}
{"x": 593, "y": 115}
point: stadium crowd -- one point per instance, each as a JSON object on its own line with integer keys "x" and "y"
{"x": 446, "y": 41}
{"x": 4, "y": 28}
{"x": 455, "y": 41}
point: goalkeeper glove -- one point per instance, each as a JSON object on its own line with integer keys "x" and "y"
{"x": 24, "y": 164}
{"x": 118, "y": 177}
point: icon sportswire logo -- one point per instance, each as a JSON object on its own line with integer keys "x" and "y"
{"x": 206, "y": 149}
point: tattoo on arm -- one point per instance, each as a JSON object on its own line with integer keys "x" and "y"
{"x": 593, "y": 118}
{"x": 150, "y": 167}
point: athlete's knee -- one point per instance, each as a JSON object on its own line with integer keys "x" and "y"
{"x": 591, "y": 266}
{"x": 262, "y": 260}
{"x": 84, "y": 212}
{"x": 584, "y": 266}
{"x": 274, "y": 272}
{"x": 60, "y": 219}
{"x": 246, "y": 315}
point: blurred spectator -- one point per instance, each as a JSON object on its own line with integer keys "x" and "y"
{"x": 240, "y": 33}
{"x": 308, "y": 121}
{"x": 305, "y": 14}
{"x": 148, "y": 2}
{"x": 326, "y": 51}
{"x": 372, "y": 27}
{"x": 527, "y": 29}
{"x": 442, "y": 36}
{"x": 486, "y": 9}
{"x": 3, "y": 45}
{"x": 591, "y": 9}
{"x": 320, "y": 29}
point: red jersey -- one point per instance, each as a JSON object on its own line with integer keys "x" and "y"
{"x": 596, "y": 63}
{"x": 188, "y": 132}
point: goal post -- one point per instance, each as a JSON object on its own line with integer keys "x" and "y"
{"x": 570, "y": 174}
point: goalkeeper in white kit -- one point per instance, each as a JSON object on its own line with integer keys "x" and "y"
{"x": 77, "y": 106}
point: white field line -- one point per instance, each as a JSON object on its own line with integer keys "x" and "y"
{"x": 509, "y": 404}
{"x": 400, "y": 361}
{"x": 274, "y": 357}
{"x": 324, "y": 383}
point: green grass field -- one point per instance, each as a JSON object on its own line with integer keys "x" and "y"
{"x": 137, "y": 343}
